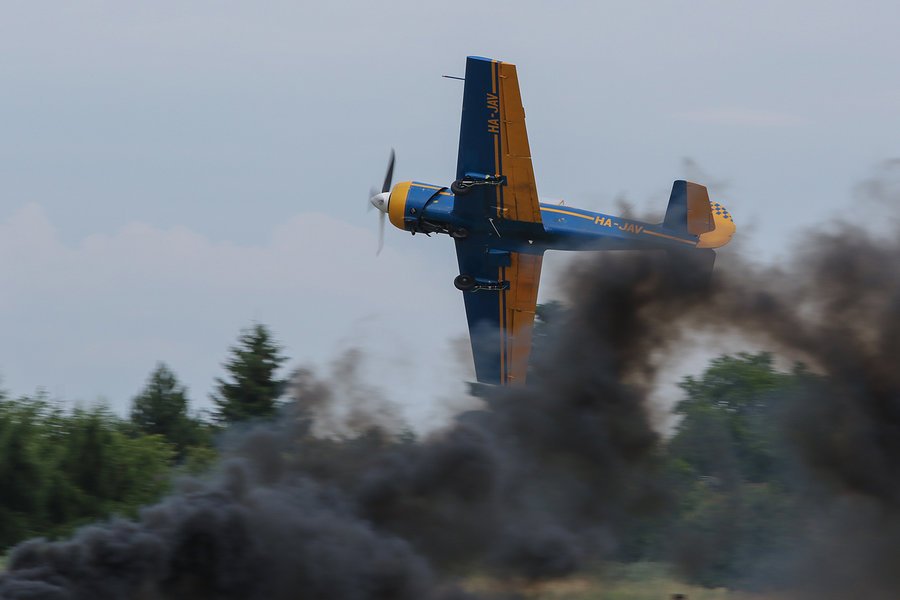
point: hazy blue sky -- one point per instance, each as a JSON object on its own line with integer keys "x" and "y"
{"x": 171, "y": 171}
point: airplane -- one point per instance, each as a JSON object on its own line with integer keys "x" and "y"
{"x": 501, "y": 229}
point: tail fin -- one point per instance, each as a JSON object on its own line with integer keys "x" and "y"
{"x": 689, "y": 210}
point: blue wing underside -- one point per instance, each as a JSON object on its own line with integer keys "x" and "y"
{"x": 494, "y": 143}
{"x": 500, "y": 322}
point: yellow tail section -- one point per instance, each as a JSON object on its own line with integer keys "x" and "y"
{"x": 724, "y": 228}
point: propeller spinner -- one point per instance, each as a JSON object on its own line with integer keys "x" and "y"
{"x": 381, "y": 201}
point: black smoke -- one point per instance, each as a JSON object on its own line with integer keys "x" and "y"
{"x": 532, "y": 486}
{"x": 540, "y": 482}
{"x": 255, "y": 532}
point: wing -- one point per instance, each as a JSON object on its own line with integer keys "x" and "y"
{"x": 500, "y": 321}
{"x": 493, "y": 142}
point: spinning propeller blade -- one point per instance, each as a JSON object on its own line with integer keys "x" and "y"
{"x": 386, "y": 187}
{"x": 382, "y": 200}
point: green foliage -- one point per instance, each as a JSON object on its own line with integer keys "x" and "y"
{"x": 22, "y": 467}
{"x": 729, "y": 420}
{"x": 733, "y": 497}
{"x": 727, "y": 428}
{"x": 59, "y": 470}
{"x": 162, "y": 409}
{"x": 253, "y": 390}
{"x": 199, "y": 459}
{"x": 727, "y": 466}
{"x": 113, "y": 470}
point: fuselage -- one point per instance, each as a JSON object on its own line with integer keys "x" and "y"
{"x": 425, "y": 208}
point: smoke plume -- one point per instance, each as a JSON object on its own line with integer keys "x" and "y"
{"x": 539, "y": 483}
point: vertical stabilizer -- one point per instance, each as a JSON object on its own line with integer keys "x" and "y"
{"x": 689, "y": 210}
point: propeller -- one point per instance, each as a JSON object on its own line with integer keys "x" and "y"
{"x": 380, "y": 234}
{"x": 381, "y": 200}
{"x": 389, "y": 175}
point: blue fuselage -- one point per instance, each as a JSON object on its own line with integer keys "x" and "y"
{"x": 431, "y": 209}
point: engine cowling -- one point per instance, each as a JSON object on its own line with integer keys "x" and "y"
{"x": 397, "y": 206}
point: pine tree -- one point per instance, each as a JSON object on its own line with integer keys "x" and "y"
{"x": 162, "y": 409}
{"x": 162, "y": 404}
{"x": 253, "y": 390}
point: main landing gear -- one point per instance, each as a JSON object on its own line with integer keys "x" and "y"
{"x": 464, "y": 283}
{"x": 463, "y": 186}
{"x": 467, "y": 283}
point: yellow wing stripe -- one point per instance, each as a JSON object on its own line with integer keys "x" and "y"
{"x": 520, "y": 196}
{"x": 498, "y": 197}
{"x": 524, "y": 274}
{"x": 504, "y": 332}
{"x": 670, "y": 237}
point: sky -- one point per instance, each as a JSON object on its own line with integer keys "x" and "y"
{"x": 172, "y": 172}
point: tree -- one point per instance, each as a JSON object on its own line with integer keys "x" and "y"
{"x": 23, "y": 468}
{"x": 61, "y": 469}
{"x": 162, "y": 409}
{"x": 105, "y": 469}
{"x": 253, "y": 390}
{"x": 730, "y": 472}
{"x": 729, "y": 415}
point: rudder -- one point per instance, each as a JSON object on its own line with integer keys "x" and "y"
{"x": 689, "y": 210}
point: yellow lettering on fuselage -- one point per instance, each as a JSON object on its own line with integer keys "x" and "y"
{"x": 604, "y": 221}
{"x": 493, "y": 105}
{"x": 631, "y": 228}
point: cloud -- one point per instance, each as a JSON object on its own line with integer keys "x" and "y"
{"x": 91, "y": 318}
{"x": 740, "y": 116}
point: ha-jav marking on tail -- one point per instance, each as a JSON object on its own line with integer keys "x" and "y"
{"x": 501, "y": 230}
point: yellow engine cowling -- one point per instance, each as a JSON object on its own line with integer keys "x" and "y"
{"x": 723, "y": 231}
{"x": 397, "y": 204}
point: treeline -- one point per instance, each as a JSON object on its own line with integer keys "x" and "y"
{"x": 60, "y": 469}
{"x": 732, "y": 500}
{"x": 735, "y": 495}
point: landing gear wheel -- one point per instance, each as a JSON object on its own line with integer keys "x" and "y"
{"x": 458, "y": 188}
{"x": 459, "y": 234}
{"x": 464, "y": 283}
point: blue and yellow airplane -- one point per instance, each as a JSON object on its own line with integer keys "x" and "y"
{"x": 501, "y": 230}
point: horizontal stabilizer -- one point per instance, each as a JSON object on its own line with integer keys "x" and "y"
{"x": 690, "y": 268}
{"x": 689, "y": 210}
